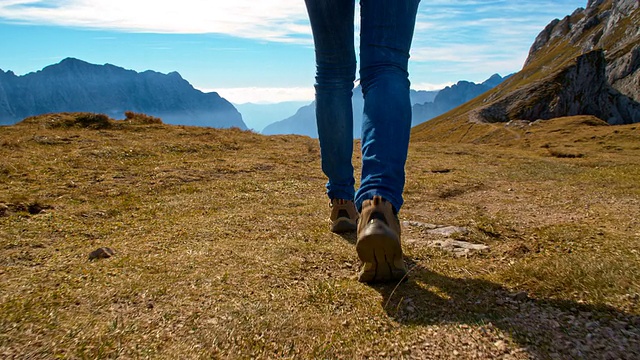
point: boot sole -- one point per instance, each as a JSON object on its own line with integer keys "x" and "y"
{"x": 343, "y": 225}
{"x": 379, "y": 248}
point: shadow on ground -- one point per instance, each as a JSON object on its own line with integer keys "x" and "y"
{"x": 544, "y": 328}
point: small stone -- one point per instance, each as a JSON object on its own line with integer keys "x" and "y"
{"x": 4, "y": 210}
{"x": 500, "y": 345}
{"x": 448, "y": 231}
{"x": 36, "y": 208}
{"x": 459, "y": 247}
{"x": 418, "y": 224}
{"x": 101, "y": 253}
{"x": 520, "y": 296}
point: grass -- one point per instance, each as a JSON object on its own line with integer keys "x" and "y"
{"x": 223, "y": 249}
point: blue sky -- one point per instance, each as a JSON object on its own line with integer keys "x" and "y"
{"x": 261, "y": 51}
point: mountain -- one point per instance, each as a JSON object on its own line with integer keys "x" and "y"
{"x": 426, "y": 104}
{"x": 453, "y": 96}
{"x": 258, "y": 116}
{"x": 585, "y": 64}
{"x": 423, "y": 96}
{"x": 77, "y": 86}
{"x": 303, "y": 122}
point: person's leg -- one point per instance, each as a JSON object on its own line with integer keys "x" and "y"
{"x": 386, "y": 33}
{"x": 333, "y": 34}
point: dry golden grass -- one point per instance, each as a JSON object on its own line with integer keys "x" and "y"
{"x": 223, "y": 249}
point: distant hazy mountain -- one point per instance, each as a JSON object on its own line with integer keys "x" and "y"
{"x": 452, "y": 97}
{"x": 423, "y": 96}
{"x": 74, "y": 85}
{"x": 303, "y": 122}
{"x": 258, "y": 116}
{"x": 426, "y": 105}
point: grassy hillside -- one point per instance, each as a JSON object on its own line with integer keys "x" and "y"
{"x": 543, "y": 77}
{"x": 222, "y": 248}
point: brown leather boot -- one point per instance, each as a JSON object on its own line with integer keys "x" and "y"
{"x": 378, "y": 244}
{"x": 344, "y": 216}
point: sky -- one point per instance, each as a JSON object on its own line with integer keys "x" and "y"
{"x": 262, "y": 51}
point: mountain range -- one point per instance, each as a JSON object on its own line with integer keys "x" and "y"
{"x": 75, "y": 85}
{"x": 426, "y": 105}
{"x": 453, "y": 96}
{"x": 584, "y": 64}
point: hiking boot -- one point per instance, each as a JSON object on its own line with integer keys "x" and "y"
{"x": 344, "y": 216}
{"x": 378, "y": 244}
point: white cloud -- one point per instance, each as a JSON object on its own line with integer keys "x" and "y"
{"x": 429, "y": 86}
{"x": 264, "y": 95}
{"x": 273, "y": 20}
{"x": 453, "y": 38}
{"x": 276, "y": 20}
{"x": 477, "y": 38}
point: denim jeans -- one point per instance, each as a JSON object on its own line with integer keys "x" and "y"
{"x": 386, "y": 32}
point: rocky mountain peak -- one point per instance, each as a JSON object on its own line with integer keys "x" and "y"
{"x": 494, "y": 80}
{"x": 585, "y": 64}
{"x": 70, "y": 64}
{"x": 603, "y": 24}
{"x": 73, "y": 85}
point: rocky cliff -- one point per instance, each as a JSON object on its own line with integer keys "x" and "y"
{"x": 74, "y": 85}
{"x": 585, "y": 64}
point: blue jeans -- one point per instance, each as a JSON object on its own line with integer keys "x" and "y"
{"x": 386, "y": 32}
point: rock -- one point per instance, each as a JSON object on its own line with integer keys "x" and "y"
{"x": 35, "y": 208}
{"x": 433, "y": 229}
{"x": 520, "y": 296}
{"x": 101, "y": 253}
{"x": 419, "y": 224}
{"x": 4, "y": 210}
{"x": 500, "y": 345}
{"x": 448, "y": 231}
{"x": 459, "y": 248}
{"x": 440, "y": 171}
